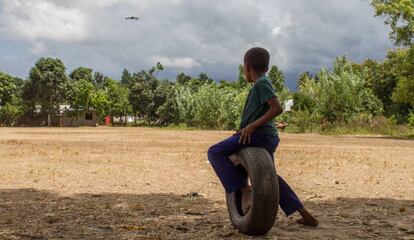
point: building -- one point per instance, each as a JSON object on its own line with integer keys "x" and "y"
{"x": 79, "y": 119}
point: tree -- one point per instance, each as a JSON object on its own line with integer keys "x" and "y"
{"x": 182, "y": 79}
{"x": 211, "y": 107}
{"x": 399, "y": 15}
{"x": 404, "y": 91}
{"x": 341, "y": 94}
{"x": 204, "y": 78}
{"x": 126, "y": 78}
{"x": 10, "y": 103}
{"x": 165, "y": 103}
{"x": 156, "y": 69}
{"x": 117, "y": 96}
{"x": 82, "y": 95}
{"x": 277, "y": 78}
{"x": 9, "y": 88}
{"x": 141, "y": 93}
{"x": 81, "y": 73}
{"x": 338, "y": 96}
{"x": 49, "y": 85}
{"x": 100, "y": 103}
{"x": 88, "y": 93}
{"x": 98, "y": 80}
{"x": 228, "y": 84}
{"x": 303, "y": 78}
{"x": 382, "y": 79}
{"x": 196, "y": 83}
{"x": 241, "y": 81}
{"x": 147, "y": 94}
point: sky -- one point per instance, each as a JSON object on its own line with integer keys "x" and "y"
{"x": 190, "y": 36}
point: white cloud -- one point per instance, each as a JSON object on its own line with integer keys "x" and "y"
{"x": 195, "y": 35}
{"x": 39, "y": 48}
{"x": 34, "y": 20}
{"x": 179, "y": 62}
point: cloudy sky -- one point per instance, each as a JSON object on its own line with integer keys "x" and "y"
{"x": 189, "y": 36}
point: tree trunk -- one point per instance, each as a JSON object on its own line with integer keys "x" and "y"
{"x": 49, "y": 120}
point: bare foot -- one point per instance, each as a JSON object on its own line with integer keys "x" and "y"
{"x": 246, "y": 198}
{"x": 308, "y": 223}
{"x": 307, "y": 218}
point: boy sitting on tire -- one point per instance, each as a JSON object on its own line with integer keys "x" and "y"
{"x": 257, "y": 128}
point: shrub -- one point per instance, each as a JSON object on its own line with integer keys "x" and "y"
{"x": 411, "y": 119}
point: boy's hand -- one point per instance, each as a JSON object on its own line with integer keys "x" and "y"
{"x": 245, "y": 133}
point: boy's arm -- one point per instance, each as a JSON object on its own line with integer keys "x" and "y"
{"x": 274, "y": 110}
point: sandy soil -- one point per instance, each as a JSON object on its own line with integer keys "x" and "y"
{"x": 133, "y": 183}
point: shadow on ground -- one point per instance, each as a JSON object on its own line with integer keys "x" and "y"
{"x": 33, "y": 214}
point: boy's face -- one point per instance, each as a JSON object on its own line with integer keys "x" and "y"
{"x": 246, "y": 72}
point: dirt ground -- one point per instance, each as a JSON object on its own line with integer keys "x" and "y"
{"x": 134, "y": 183}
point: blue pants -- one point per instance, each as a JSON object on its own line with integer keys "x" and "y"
{"x": 233, "y": 179}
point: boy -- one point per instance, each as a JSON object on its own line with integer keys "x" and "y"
{"x": 257, "y": 128}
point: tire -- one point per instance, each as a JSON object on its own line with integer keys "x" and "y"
{"x": 260, "y": 169}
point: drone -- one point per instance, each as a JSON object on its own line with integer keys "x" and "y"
{"x": 133, "y": 18}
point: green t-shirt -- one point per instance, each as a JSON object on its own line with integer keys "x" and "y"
{"x": 256, "y": 106}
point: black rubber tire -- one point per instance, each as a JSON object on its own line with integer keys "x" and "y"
{"x": 261, "y": 216}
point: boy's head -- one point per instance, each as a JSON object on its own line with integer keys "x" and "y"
{"x": 256, "y": 63}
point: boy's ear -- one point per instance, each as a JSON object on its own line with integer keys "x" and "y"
{"x": 247, "y": 67}
{"x": 267, "y": 69}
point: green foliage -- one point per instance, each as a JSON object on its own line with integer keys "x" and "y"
{"x": 10, "y": 112}
{"x": 182, "y": 79}
{"x": 47, "y": 85}
{"x": 81, "y": 73}
{"x": 411, "y": 119}
{"x": 148, "y": 94}
{"x": 227, "y": 84}
{"x": 210, "y": 106}
{"x": 89, "y": 92}
{"x": 284, "y": 95}
{"x": 277, "y": 78}
{"x": 382, "y": 79}
{"x": 168, "y": 110}
{"x": 304, "y": 119}
{"x": 404, "y": 91}
{"x": 99, "y": 80}
{"x": 392, "y": 81}
{"x": 126, "y": 78}
{"x": 117, "y": 98}
{"x": 349, "y": 98}
{"x": 101, "y": 103}
{"x": 82, "y": 95}
{"x": 241, "y": 81}
{"x": 304, "y": 78}
{"x": 10, "y": 88}
{"x": 304, "y": 100}
{"x": 367, "y": 124}
{"x": 204, "y": 78}
{"x": 399, "y": 14}
{"x": 10, "y": 103}
{"x": 392, "y": 120}
{"x": 207, "y": 105}
{"x": 337, "y": 96}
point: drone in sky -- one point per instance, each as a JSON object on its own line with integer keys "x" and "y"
{"x": 133, "y": 18}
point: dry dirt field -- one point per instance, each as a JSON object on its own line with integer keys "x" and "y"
{"x": 134, "y": 183}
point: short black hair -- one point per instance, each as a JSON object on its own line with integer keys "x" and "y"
{"x": 257, "y": 58}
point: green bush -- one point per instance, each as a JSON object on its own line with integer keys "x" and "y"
{"x": 304, "y": 120}
{"x": 411, "y": 119}
{"x": 210, "y": 106}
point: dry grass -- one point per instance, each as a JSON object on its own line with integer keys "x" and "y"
{"x": 130, "y": 183}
